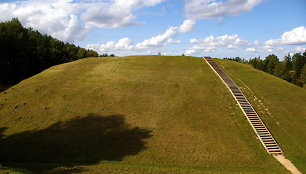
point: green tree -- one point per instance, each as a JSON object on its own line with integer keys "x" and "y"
{"x": 257, "y": 63}
{"x": 270, "y": 63}
{"x": 280, "y": 70}
{"x": 91, "y": 53}
{"x": 81, "y": 53}
{"x": 104, "y": 55}
{"x": 288, "y": 74}
{"x": 303, "y": 74}
{"x": 289, "y": 69}
{"x": 25, "y": 52}
{"x": 299, "y": 61}
{"x": 288, "y": 62}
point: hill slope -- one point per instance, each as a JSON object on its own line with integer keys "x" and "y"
{"x": 281, "y": 105}
{"x": 143, "y": 114}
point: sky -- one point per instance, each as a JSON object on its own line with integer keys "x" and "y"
{"x": 216, "y": 28}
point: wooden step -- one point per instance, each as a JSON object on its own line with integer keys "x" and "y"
{"x": 259, "y": 127}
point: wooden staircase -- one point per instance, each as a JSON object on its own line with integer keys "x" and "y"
{"x": 257, "y": 124}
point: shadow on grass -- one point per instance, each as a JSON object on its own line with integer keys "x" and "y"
{"x": 79, "y": 141}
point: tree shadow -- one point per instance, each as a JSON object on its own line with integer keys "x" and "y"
{"x": 79, "y": 141}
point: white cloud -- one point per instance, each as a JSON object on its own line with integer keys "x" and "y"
{"x": 256, "y": 42}
{"x": 203, "y": 9}
{"x": 190, "y": 52}
{"x": 210, "y": 44}
{"x": 106, "y": 16}
{"x": 60, "y": 18}
{"x": 164, "y": 39}
{"x": 53, "y": 17}
{"x": 297, "y": 36}
{"x": 221, "y": 41}
{"x": 187, "y": 26}
{"x": 300, "y": 49}
{"x": 167, "y": 37}
{"x": 210, "y": 49}
{"x": 230, "y": 46}
{"x": 114, "y": 14}
{"x": 136, "y": 3}
{"x": 72, "y": 32}
{"x": 198, "y": 49}
{"x": 124, "y": 44}
{"x": 160, "y": 40}
{"x": 266, "y": 47}
{"x": 250, "y": 50}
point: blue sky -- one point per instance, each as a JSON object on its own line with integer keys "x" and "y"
{"x": 218, "y": 28}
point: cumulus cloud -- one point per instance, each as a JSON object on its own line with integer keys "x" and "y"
{"x": 250, "y": 50}
{"x": 187, "y": 26}
{"x": 107, "y": 17}
{"x": 53, "y": 17}
{"x": 72, "y": 32}
{"x": 123, "y": 44}
{"x": 210, "y": 44}
{"x": 256, "y": 43}
{"x": 221, "y": 41}
{"x": 300, "y": 49}
{"x": 114, "y": 14}
{"x": 167, "y": 37}
{"x": 203, "y": 9}
{"x": 296, "y": 36}
{"x": 270, "y": 50}
{"x": 164, "y": 39}
{"x": 160, "y": 40}
{"x": 266, "y": 48}
{"x": 280, "y": 48}
{"x": 70, "y": 20}
{"x": 191, "y": 52}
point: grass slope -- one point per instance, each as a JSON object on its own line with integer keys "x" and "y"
{"x": 281, "y": 105}
{"x": 141, "y": 114}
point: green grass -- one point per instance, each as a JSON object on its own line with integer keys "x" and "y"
{"x": 281, "y": 105}
{"x": 141, "y": 114}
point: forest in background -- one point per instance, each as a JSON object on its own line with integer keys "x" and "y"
{"x": 26, "y": 52}
{"x": 291, "y": 68}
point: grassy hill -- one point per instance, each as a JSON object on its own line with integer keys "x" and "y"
{"x": 141, "y": 114}
{"x": 281, "y": 105}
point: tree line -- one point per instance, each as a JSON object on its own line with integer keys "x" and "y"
{"x": 291, "y": 68}
{"x": 25, "y": 52}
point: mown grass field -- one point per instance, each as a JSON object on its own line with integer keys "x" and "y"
{"x": 281, "y": 105}
{"x": 141, "y": 114}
